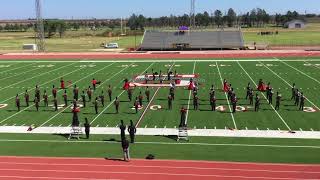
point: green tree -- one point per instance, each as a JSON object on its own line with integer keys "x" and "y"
{"x": 232, "y": 17}
{"x": 218, "y": 18}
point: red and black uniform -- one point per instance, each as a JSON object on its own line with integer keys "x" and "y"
{"x": 27, "y": 98}
{"x": 55, "y": 103}
{"x": 140, "y": 99}
{"x": 89, "y": 93}
{"x": 83, "y": 96}
{"x": 96, "y": 105}
{"x": 183, "y": 113}
{"x": 62, "y": 84}
{"x": 45, "y": 100}
{"x": 36, "y": 102}
{"x": 110, "y": 93}
{"x": 54, "y": 92}
{"x": 148, "y": 94}
{"x": 170, "y": 102}
{"x": 18, "y": 102}
{"x": 195, "y": 103}
{"x": 94, "y": 84}
{"x": 213, "y": 101}
{"x": 65, "y": 98}
{"x": 102, "y": 98}
{"x": 76, "y": 93}
{"x": 116, "y": 104}
{"x": 136, "y": 105}
{"x": 130, "y": 94}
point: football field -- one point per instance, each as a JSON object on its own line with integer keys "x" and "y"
{"x": 18, "y": 76}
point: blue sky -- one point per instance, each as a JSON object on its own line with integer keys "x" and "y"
{"x": 20, "y": 9}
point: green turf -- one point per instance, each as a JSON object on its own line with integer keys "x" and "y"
{"x": 214, "y": 148}
{"x": 25, "y": 75}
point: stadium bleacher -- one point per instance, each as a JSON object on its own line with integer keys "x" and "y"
{"x": 194, "y": 40}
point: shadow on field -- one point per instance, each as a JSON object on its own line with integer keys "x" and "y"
{"x": 172, "y": 137}
{"x": 111, "y": 140}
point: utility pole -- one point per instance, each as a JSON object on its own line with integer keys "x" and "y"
{"x": 192, "y": 14}
{"x": 39, "y": 34}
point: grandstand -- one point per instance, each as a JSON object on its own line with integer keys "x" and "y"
{"x": 192, "y": 40}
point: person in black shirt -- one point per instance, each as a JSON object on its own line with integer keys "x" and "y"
{"x": 122, "y": 131}
{"x": 96, "y": 105}
{"x": 116, "y": 104}
{"x": 87, "y": 128}
{"x": 125, "y": 147}
{"x": 27, "y": 97}
{"x": 110, "y": 93}
{"x": 83, "y": 96}
{"x": 18, "y": 102}
{"x": 132, "y": 131}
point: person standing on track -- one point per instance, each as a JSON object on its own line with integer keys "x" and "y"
{"x": 87, "y": 128}
{"x": 132, "y": 131}
{"x": 45, "y": 99}
{"x": 18, "y": 102}
{"x": 110, "y": 93}
{"x": 27, "y": 98}
{"x": 83, "y": 97}
{"x": 116, "y": 104}
{"x": 65, "y": 98}
{"x": 54, "y": 92}
{"x": 125, "y": 147}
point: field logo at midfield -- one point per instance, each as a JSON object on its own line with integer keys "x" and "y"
{"x": 3, "y": 106}
{"x": 268, "y": 65}
{"x": 221, "y": 65}
{"x": 155, "y": 107}
{"x": 43, "y": 66}
{"x": 309, "y": 109}
{"x": 4, "y": 66}
{"x": 128, "y": 65}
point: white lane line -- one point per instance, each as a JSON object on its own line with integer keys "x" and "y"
{"x": 234, "y": 122}
{"x": 117, "y": 96}
{"x": 287, "y": 83}
{"x": 284, "y": 122}
{"x": 298, "y": 70}
{"x": 79, "y": 81}
{"x": 42, "y": 84}
{"x": 190, "y": 92}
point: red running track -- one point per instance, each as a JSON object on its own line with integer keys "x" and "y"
{"x": 21, "y": 168}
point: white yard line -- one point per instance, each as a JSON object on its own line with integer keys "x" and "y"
{"x": 298, "y": 70}
{"x": 154, "y": 95}
{"x": 190, "y": 92}
{"x": 48, "y": 96}
{"x": 7, "y": 77}
{"x": 312, "y": 64}
{"x": 35, "y": 76}
{"x": 284, "y": 122}
{"x": 18, "y": 67}
{"x": 44, "y": 84}
{"x": 287, "y": 83}
{"x": 79, "y": 81}
{"x": 147, "y": 107}
{"x": 117, "y": 96}
{"x": 234, "y": 122}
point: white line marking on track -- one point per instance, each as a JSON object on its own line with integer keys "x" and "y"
{"x": 284, "y": 122}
